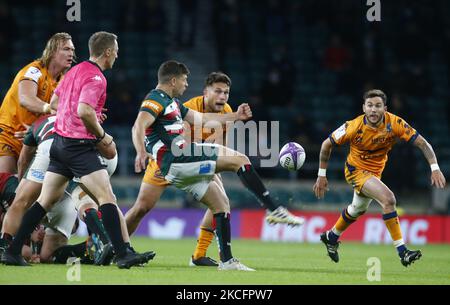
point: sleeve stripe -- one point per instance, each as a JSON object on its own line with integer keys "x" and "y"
{"x": 153, "y": 106}
{"x": 413, "y": 138}
{"x": 332, "y": 140}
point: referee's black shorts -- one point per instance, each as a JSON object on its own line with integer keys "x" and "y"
{"x": 74, "y": 157}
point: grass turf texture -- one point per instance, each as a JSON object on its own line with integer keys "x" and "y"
{"x": 276, "y": 263}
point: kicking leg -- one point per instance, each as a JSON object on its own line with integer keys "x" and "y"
{"x": 230, "y": 160}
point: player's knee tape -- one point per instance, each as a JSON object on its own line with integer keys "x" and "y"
{"x": 111, "y": 165}
{"x": 80, "y": 198}
{"x": 359, "y": 205}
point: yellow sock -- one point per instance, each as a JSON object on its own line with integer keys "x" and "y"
{"x": 204, "y": 240}
{"x": 393, "y": 225}
{"x": 344, "y": 221}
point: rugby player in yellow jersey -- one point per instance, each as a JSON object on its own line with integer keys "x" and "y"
{"x": 29, "y": 96}
{"x": 214, "y": 99}
{"x": 371, "y": 137}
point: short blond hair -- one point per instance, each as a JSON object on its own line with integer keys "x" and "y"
{"x": 100, "y": 41}
{"x": 52, "y": 47}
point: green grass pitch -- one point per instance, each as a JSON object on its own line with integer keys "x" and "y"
{"x": 275, "y": 263}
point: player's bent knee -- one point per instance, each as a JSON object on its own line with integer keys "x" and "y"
{"x": 389, "y": 201}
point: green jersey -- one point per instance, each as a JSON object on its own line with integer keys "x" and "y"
{"x": 164, "y": 139}
{"x": 41, "y": 130}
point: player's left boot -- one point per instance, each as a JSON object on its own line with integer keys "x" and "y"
{"x": 410, "y": 256}
{"x": 234, "y": 264}
{"x": 331, "y": 247}
{"x": 13, "y": 260}
{"x": 282, "y": 215}
{"x": 202, "y": 261}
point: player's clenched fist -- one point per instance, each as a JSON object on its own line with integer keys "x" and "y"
{"x": 244, "y": 112}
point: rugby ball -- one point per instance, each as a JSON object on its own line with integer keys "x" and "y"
{"x": 292, "y": 156}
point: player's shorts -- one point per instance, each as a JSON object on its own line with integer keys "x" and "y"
{"x": 153, "y": 175}
{"x": 39, "y": 164}
{"x": 61, "y": 217}
{"x": 357, "y": 177}
{"x": 9, "y": 146}
{"x": 74, "y": 157}
{"x": 193, "y": 173}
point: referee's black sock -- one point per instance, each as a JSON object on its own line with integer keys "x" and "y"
{"x": 30, "y": 221}
{"x": 95, "y": 225}
{"x": 252, "y": 181}
{"x": 111, "y": 221}
{"x": 223, "y": 232}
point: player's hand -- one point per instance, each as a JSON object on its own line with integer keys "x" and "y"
{"x": 244, "y": 112}
{"x": 140, "y": 162}
{"x": 107, "y": 147}
{"x": 320, "y": 187}
{"x": 21, "y": 134}
{"x": 438, "y": 179}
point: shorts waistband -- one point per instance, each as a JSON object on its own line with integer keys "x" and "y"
{"x": 74, "y": 140}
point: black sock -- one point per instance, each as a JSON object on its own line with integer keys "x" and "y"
{"x": 111, "y": 221}
{"x": 95, "y": 225}
{"x": 223, "y": 233}
{"x": 63, "y": 253}
{"x": 29, "y": 222}
{"x": 251, "y": 180}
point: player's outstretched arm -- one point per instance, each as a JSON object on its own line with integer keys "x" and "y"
{"x": 437, "y": 178}
{"x": 243, "y": 113}
{"x": 321, "y": 185}
{"x": 28, "y": 97}
{"x": 143, "y": 121}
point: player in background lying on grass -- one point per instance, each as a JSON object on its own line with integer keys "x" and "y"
{"x": 371, "y": 137}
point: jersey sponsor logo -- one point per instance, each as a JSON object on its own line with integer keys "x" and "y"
{"x": 205, "y": 168}
{"x": 97, "y": 78}
{"x": 340, "y": 132}
{"x": 152, "y": 105}
{"x": 38, "y": 174}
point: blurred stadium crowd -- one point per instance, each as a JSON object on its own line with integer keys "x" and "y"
{"x": 304, "y": 63}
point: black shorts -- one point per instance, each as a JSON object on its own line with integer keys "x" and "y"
{"x": 74, "y": 157}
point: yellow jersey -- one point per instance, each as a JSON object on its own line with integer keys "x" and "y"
{"x": 207, "y": 134}
{"x": 369, "y": 146}
{"x": 12, "y": 115}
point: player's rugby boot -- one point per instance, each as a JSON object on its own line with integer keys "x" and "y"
{"x": 331, "y": 247}
{"x": 203, "y": 261}
{"x": 282, "y": 215}
{"x": 410, "y": 256}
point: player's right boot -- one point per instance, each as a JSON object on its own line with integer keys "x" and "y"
{"x": 202, "y": 261}
{"x": 234, "y": 264}
{"x": 130, "y": 259}
{"x": 13, "y": 259}
{"x": 410, "y": 256}
{"x": 282, "y": 215}
{"x": 331, "y": 247}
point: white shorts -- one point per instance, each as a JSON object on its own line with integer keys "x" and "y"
{"x": 192, "y": 177}
{"x": 61, "y": 217}
{"x": 39, "y": 164}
